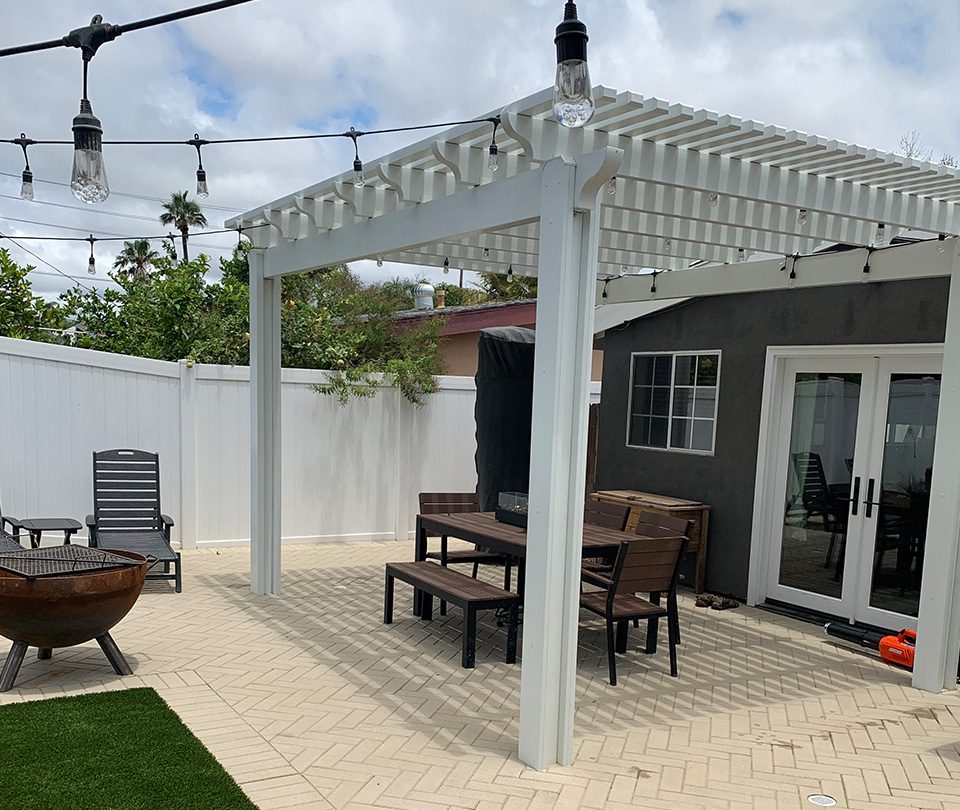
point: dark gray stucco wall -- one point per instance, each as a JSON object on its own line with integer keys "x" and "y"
{"x": 742, "y": 327}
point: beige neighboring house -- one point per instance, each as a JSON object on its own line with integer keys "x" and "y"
{"x": 461, "y": 330}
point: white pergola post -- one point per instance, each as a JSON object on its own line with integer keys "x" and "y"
{"x": 938, "y": 625}
{"x": 566, "y": 293}
{"x": 264, "y": 428}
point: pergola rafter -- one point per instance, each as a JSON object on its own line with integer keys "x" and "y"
{"x": 724, "y": 204}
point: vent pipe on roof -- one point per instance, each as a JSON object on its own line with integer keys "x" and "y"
{"x": 422, "y": 296}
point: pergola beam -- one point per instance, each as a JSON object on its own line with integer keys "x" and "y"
{"x": 921, "y": 260}
{"x": 512, "y": 201}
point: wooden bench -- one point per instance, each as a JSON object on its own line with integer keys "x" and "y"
{"x": 470, "y": 595}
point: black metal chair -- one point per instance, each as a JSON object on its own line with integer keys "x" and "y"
{"x": 126, "y": 510}
{"x": 5, "y": 537}
{"x": 649, "y": 565}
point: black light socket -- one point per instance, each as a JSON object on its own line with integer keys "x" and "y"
{"x": 571, "y": 38}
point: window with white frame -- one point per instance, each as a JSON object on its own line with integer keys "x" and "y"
{"x": 673, "y": 401}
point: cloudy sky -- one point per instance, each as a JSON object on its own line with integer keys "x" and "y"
{"x": 863, "y": 71}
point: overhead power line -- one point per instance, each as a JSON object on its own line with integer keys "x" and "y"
{"x": 48, "y": 264}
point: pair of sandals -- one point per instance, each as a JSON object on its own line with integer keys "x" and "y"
{"x": 716, "y": 602}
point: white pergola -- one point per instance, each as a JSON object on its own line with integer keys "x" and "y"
{"x": 691, "y": 186}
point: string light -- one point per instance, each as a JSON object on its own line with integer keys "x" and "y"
{"x": 572, "y": 94}
{"x": 881, "y": 236}
{"x": 713, "y": 200}
{"x": 446, "y": 266}
{"x": 510, "y": 272}
{"x": 202, "y": 189}
{"x": 653, "y": 285}
{"x": 379, "y": 261}
{"x": 802, "y": 217}
{"x": 91, "y": 262}
{"x": 358, "y": 180}
{"x": 26, "y": 179}
{"x": 612, "y": 185}
{"x": 486, "y": 253}
{"x": 603, "y": 294}
{"x": 668, "y": 246}
{"x": 741, "y": 255}
{"x": 865, "y": 275}
{"x": 942, "y": 243}
{"x": 493, "y": 160}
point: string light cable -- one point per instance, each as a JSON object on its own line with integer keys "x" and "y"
{"x": 48, "y": 264}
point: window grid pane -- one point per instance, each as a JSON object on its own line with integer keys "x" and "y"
{"x": 674, "y": 400}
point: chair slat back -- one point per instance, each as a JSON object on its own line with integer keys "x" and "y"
{"x": 649, "y": 523}
{"x": 126, "y": 490}
{"x": 648, "y": 565}
{"x": 608, "y": 515}
{"x": 442, "y": 503}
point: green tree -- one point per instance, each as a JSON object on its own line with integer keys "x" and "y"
{"x": 183, "y": 214}
{"x": 22, "y": 314}
{"x": 329, "y": 320}
{"x": 457, "y": 296}
{"x": 135, "y": 258}
{"x": 501, "y": 287}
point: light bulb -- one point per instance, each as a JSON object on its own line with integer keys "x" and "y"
{"x": 202, "y": 190}
{"x": 792, "y": 279}
{"x": 865, "y": 275}
{"x": 668, "y": 246}
{"x": 446, "y": 266}
{"x": 510, "y": 271}
{"x": 493, "y": 162}
{"x": 612, "y": 185}
{"x": 92, "y": 265}
{"x": 88, "y": 181}
{"x": 486, "y": 253}
{"x": 379, "y": 261}
{"x": 741, "y": 255}
{"x": 941, "y": 239}
{"x": 881, "y": 236}
{"x": 26, "y": 187}
{"x": 358, "y": 180}
{"x": 713, "y": 200}
{"x": 604, "y": 293}
{"x": 623, "y": 269}
{"x": 572, "y": 97}
{"x": 802, "y": 217}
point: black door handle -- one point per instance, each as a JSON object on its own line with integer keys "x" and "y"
{"x": 855, "y": 500}
{"x": 870, "y": 502}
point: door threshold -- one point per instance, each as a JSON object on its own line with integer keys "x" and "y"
{"x": 816, "y": 617}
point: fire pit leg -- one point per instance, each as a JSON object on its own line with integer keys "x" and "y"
{"x": 44, "y": 653}
{"x": 114, "y": 656}
{"x": 11, "y": 666}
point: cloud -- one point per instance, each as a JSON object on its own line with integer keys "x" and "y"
{"x": 863, "y": 71}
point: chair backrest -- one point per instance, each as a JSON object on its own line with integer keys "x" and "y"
{"x": 608, "y": 515}
{"x": 652, "y": 524}
{"x": 810, "y": 475}
{"x": 442, "y": 503}
{"x": 126, "y": 490}
{"x": 647, "y": 565}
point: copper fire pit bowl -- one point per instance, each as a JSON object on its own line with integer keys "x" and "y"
{"x": 67, "y": 607}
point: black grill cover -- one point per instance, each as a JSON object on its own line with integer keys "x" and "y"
{"x": 504, "y": 412}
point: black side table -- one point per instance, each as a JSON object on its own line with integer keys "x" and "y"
{"x": 37, "y": 526}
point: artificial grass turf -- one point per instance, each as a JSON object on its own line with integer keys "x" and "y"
{"x": 126, "y": 750}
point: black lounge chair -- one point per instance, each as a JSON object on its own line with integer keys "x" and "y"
{"x": 126, "y": 509}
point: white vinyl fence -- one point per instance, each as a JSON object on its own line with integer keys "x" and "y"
{"x": 349, "y": 472}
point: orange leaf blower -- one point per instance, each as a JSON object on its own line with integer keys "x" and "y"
{"x": 895, "y": 648}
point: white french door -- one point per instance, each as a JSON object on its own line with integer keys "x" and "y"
{"x": 854, "y": 452}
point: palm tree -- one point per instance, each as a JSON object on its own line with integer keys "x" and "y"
{"x": 135, "y": 258}
{"x": 182, "y": 213}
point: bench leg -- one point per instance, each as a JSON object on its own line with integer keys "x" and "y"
{"x": 469, "y": 656}
{"x": 44, "y": 654}
{"x": 388, "y": 600}
{"x": 611, "y": 653}
{"x": 178, "y": 581}
{"x": 506, "y": 574}
{"x": 512, "y": 622}
{"x": 426, "y": 606}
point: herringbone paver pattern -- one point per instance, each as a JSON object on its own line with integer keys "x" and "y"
{"x": 309, "y": 701}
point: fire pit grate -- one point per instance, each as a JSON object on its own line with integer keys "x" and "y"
{"x": 56, "y": 561}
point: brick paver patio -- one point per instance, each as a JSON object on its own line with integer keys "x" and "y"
{"x": 309, "y": 701}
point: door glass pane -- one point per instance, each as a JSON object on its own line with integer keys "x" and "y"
{"x": 904, "y": 492}
{"x": 822, "y": 440}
